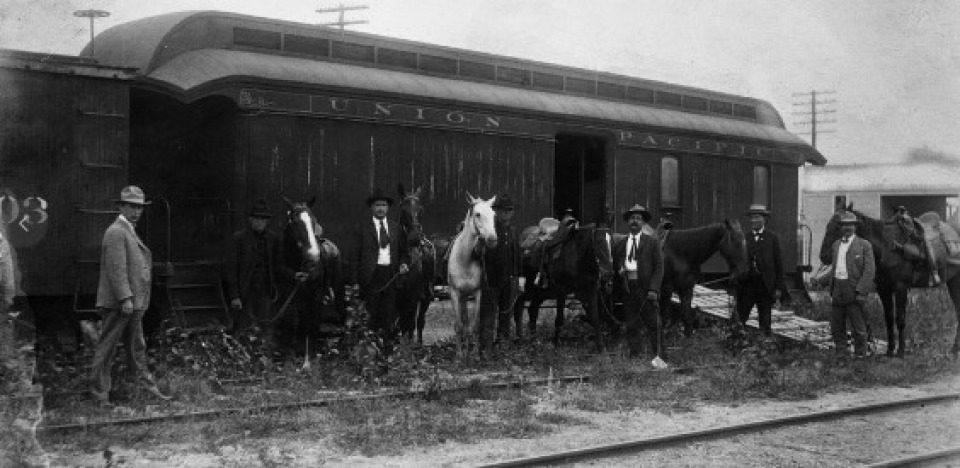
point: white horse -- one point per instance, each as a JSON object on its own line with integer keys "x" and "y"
{"x": 465, "y": 274}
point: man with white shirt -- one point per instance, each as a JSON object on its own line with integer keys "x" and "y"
{"x": 638, "y": 262}
{"x": 763, "y": 283}
{"x": 851, "y": 279}
{"x": 123, "y": 296}
{"x": 379, "y": 255}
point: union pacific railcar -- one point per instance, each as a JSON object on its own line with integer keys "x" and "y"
{"x": 220, "y": 109}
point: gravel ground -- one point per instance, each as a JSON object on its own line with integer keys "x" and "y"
{"x": 852, "y": 441}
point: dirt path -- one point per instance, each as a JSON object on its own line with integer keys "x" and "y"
{"x": 853, "y": 441}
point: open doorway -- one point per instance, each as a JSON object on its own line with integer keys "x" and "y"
{"x": 578, "y": 180}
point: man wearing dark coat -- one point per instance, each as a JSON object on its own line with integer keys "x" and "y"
{"x": 379, "y": 255}
{"x": 763, "y": 283}
{"x": 251, "y": 272}
{"x": 638, "y": 263}
{"x": 502, "y": 270}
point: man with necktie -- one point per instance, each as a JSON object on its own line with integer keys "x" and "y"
{"x": 638, "y": 261}
{"x": 379, "y": 255}
{"x": 851, "y": 279}
{"x": 763, "y": 283}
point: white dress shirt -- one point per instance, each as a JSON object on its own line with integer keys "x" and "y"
{"x": 841, "y": 259}
{"x": 631, "y": 265}
{"x": 383, "y": 257}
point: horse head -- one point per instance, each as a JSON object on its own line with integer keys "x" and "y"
{"x": 603, "y": 250}
{"x": 733, "y": 248}
{"x": 410, "y": 212}
{"x": 304, "y": 229}
{"x": 480, "y": 220}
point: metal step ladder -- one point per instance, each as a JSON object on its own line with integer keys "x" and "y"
{"x": 195, "y": 296}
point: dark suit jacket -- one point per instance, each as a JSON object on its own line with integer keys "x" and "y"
{"x": 366, "y": 249}
{"x": 503, "y": 261}
{"x": 649, "y": 262}
{"x": 861, "y": 269}
{"x": 243, "y": 256}
{"x": 769, "y": 261}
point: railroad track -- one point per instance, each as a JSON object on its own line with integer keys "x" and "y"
{"x": 935, "y": 458}
{"x": 326, "y": 402}
{"x": 683, "y": 438}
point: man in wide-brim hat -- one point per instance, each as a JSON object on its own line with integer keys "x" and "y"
{"x": 502, "y": 270}
{"x": 378, "y": 257}
{"x": 851, "y": 279}
{"x": 638, "y": 264}
{"x": 763, "y": 283}
{"x": 251, "y": 269}
{"x": 123, "y": 296}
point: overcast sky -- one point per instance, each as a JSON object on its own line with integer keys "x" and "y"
{"x": 895, "y": 65}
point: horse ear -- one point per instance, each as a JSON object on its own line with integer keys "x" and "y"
{"x": 492, "y": 200}
{"x": 470, "y": 198}
{"x": 287, "y": 202}
{"x": 311, "y": 201}
{"x": 726, "y": 222}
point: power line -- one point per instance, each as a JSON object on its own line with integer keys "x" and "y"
{"x": 814, "y": 113}
{"x": 341, "y": 9}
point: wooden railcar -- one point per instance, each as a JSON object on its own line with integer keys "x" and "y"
{"x": 225, "y": 109}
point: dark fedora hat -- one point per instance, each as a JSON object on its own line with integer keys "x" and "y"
{"x": 758, "y": 209}
{"x": 379, "y": 194}
{"x": 638, "y": 209}
{"x": 848, "y": 218}
{"x": 504, "y": 202}
{"x": 259, "y": 209}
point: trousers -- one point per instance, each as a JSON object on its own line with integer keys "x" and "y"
{"x": 117, "y": 326}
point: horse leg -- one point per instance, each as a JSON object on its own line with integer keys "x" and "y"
{"x": 459, "y": 321}
{"x": 592, "y": 308}
{"x": 473, "y": 317}
{"x": 901, "y": 302}
{"x": 533, "y": 312}
{"x": 422, "y": 306}
{"x": 686, "y": 312}
{"x": 886, "y": 299}
{"x": 953, "y": 287}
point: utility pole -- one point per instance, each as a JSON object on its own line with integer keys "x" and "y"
{"x": 814, "y": 113}
{"x": 92, "y": 14}
{"x": 341, "y": 9}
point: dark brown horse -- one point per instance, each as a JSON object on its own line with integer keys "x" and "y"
{"x": 313, "y": 302}
{"x": 415, "y": 289}
{"x": 684, "y": 251}
{"x": 895, "y": 274}
{"x": 583, "y": 263}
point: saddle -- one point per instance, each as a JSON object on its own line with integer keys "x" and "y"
{"x": 935, "y": 230}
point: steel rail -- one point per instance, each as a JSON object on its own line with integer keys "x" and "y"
{"x": 603, "y": 451}
{"x": 922, "y": 459}
{"x": 324, "y": 402}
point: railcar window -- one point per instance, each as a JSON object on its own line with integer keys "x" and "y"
{"x": 761, "y": 185}
{"x": 669, "y": 182}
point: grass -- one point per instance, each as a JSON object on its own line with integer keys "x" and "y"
{"x": 761, "y": 371}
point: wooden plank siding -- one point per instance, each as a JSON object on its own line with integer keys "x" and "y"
{"x": 341, "y": 162}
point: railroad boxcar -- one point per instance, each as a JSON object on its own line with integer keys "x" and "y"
{"x": 226, "y": 108}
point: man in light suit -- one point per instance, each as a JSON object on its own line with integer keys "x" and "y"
{"x": 763, "y": 283}
{"x": 851, "y": 279}
{"x": 638, "y": 263}
{"x": 123, "y": 296}
{"x": 379, "y": 255}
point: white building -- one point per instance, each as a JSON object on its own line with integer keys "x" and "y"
{"x": 874, "y": 190}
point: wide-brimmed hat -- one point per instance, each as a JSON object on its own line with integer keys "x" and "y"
{"x": 568, "y": 211}
{"x": 379, "y": 194}
{"x": 504, "y": 202}
{"x": 638, "y": 209}
{"x": 758, "y": 209}
{"x": 259, "y": 209}
{"x": 848, "y": 218}
{"x": 132, "y": 195}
